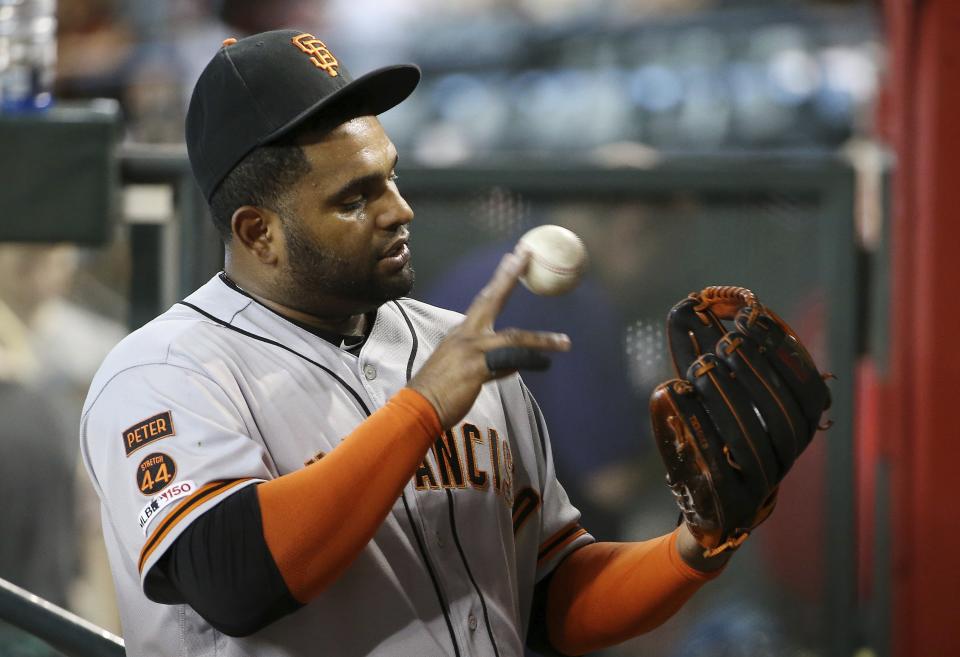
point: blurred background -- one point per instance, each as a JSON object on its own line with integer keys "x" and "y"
{"x": 689, "y": 142}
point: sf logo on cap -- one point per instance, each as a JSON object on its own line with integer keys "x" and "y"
{"x": 320, "y": 55}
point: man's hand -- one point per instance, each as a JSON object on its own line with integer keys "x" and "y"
{"x": 452, "y": 376}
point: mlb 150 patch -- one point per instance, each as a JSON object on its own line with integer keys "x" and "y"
{"x": 147, "y": 431}
{"x": 153, "y": 507}
{"x": 155, "y": 473}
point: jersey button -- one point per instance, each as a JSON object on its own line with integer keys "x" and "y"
{"x": 370, "y": 371}
{"x": 472, "y": 622}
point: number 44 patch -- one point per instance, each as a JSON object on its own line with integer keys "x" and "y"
{"x": 155, "y": 473}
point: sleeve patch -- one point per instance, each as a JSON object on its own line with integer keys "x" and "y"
{"x": 183, "y": 509}
{"x": 147, "y": 431}
{"x": 154, "y": 506}
{"x": 155, "y": 472}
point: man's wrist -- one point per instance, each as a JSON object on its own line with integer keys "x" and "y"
{"x": 692, "y": 553}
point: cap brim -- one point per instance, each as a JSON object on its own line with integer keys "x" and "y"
{"x": 370, "y": 94}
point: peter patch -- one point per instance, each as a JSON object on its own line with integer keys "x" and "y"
{"x": 155, "y": 473}
{"x": 149, "y": 430}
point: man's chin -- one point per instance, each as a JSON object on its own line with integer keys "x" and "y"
{"x": 399, "y": 285}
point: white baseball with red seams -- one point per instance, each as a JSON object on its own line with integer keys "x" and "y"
{"x": 558, "y": 259}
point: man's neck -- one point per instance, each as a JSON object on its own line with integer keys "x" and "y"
{"x": 348, "y": 325}
{"x": 340, "y": 325}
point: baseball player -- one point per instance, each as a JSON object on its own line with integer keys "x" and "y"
{"x": 298, "y": 459}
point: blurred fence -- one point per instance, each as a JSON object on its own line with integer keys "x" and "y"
{"x": 780, "y": 226}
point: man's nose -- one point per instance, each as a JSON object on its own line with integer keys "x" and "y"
{"x": 396, "y": 211}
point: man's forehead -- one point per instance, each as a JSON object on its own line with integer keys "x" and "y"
{"x": 364, "y": 132}
{"x": 349, "y": 149}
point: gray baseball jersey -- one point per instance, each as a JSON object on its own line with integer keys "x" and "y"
{"x": 219, "y": 393}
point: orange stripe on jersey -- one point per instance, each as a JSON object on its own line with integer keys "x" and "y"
{"x": 180, "y": 511}
{"x": 558, "y": 541}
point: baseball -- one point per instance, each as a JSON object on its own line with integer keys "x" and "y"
{"x": 557, "y": 260}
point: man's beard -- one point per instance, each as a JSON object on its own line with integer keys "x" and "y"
{"x": 315, "y": 273}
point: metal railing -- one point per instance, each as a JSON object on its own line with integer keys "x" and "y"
{"x": 62, "y": 630}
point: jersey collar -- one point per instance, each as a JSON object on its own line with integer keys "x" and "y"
{"x": 351, "y": 343}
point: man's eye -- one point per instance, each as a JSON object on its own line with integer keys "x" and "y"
{"x": 353, "y": 204}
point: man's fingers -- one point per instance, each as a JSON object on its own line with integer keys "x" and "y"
{"x": 503, "y": 359}
{"x": 512, "y": 337}
{"x": 490, "y": 300}
{"x": 512, "y": 349}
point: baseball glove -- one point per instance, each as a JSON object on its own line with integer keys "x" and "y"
{"x": 747, "y": 403}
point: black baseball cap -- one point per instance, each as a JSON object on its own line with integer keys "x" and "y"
{"x": 257, "y": 89}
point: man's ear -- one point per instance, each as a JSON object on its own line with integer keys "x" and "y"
{"x": 257, "y": 231}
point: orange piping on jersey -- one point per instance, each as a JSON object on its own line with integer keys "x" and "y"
{"x": 525, "y": 504}
{"x": 606, "y": 593}
{"x": 558, "y": 541}
{"x": 317, "y": 520}
{"x": 182, "y": 510}
{"x": 495, "y": 474}
{"x": 557, "y": 536}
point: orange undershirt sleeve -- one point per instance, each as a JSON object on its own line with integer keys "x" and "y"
{"x": 317, "y": 520}
{"x": 606, "y": 593}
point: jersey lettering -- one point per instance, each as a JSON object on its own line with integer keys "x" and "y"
{"x": 457, "y": 463}
{"x": 495, "y": 458}
{"x": 526, "y": 502}
{"x": 471, "y": 438}
{"x": 423, "y": 478}
{"x": 448, "y": 460}
{"x": 147, "y": 431}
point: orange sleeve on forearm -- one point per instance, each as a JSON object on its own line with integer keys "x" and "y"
{"x": 316, "y": 520}
{"x": 606, "y": 593}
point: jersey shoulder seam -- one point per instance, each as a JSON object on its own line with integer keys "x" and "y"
{"x": 165, "y": 361}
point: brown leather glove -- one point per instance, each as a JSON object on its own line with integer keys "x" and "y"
{"x": 748, "y": 402}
